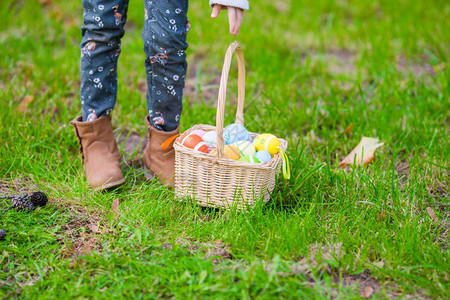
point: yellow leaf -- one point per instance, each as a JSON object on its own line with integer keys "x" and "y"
{"x": 363, "y": 153}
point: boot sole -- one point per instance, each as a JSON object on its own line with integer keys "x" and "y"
{"x": 109, "y": 185}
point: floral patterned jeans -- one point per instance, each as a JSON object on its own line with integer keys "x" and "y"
{"x": 164, "y": 36}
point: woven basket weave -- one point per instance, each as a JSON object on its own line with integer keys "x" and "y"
{"x": 219, "y": 181}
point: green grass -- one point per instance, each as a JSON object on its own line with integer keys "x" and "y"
{"x": 313, "y": 68}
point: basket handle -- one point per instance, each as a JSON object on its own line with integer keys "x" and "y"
{"x": 223, "y": 93}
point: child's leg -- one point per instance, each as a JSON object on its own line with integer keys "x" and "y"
{"x": 164, "y": 35}
{"x": 100, "y": 49}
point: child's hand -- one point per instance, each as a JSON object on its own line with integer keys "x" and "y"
{"x": 235, "y": 16}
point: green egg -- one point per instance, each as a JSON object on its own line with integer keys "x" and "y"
{"x": 250, "y": 159}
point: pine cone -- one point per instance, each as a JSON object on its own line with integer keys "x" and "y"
{"x": 38, "y": 199}
{"x": 26, "y": 202}
{"x": 22, "y": 203}
{"x": 2, "y": 234}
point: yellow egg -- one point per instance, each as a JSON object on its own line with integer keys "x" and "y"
{"x": 231, "y": 151}
{"x": 267, "y": 141}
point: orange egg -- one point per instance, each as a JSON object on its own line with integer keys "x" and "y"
{"x": 230, "y": 151}
{"x": 195, "y": 142}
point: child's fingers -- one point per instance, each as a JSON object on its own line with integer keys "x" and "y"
{"x": 216, "y": 10}
{"x": 240, "y": 18}
{"x": 232, "y": 20}
{"x": 235, "y": 17}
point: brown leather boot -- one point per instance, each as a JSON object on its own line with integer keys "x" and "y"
{"x": 160, "y": 161}
{"x": 101, "y": 156}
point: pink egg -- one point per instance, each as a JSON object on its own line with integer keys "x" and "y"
{"x": 199, "y": 132}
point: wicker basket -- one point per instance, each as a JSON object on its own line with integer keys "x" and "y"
{"x": 219, "y": 181}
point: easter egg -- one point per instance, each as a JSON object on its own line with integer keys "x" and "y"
{"x": 234, "y": 133}
{"x": 245, "y": 147}
{"x": 213, "y": 152}
{"x": 267, "y": 141}
{"x": 250, "y": 159}
{"x": 263, "y": 155}
{"x": 210, "y": 139}
{"x": 230, "y": 151}
{"x": 199, "y": 132}
{"x": 195, "y": 142}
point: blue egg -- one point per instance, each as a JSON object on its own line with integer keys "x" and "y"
{"x": 234, "y": 133}
{"x": 263, "y": 155}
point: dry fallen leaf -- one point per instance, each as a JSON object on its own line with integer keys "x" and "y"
{"x": 24, "y": 103}
{"x": 87, "y": 248}
{"x": 362, "y": 154}
{"x": 93, "y": 227}
{"x": 115, "y": 208}
{"x": 349, "y": 129}
{"x": 432, "y": 214}
{"x": 367, "y": 292}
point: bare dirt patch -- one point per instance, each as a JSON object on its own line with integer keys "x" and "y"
{"x": 341, "y": 61}
{"x": 368, "y": 285}
{"x": 418, "y": 69}
{"x": 217, "y": 250}
{"x": 81, "y": 234}
{"x": 440, "y": 215}
{"x": 402, "y": 170}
